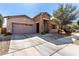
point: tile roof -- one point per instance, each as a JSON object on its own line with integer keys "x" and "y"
{"x": 17, "y": 16}
{"x": 27, "y": 16}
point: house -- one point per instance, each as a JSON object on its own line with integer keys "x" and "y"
{"x": 22, "y": 24}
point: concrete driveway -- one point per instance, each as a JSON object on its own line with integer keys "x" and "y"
{"x": 45, "y": 45}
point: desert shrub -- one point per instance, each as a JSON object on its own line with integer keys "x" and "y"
{"x": 43, "y": 33}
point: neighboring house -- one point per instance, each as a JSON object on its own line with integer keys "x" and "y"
{"x": 22, "y": 24}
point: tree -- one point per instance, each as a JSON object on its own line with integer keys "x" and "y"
{"x": 1, "y": 21}
{"x": 66, "y": 13}
{"x": 55, "y": 21}
{"x": 78, "y": 22}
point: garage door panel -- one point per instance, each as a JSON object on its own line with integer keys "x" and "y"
{"x": 21, "y": 28}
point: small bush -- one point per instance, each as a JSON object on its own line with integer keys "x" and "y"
{"x": 3, "y": 30}
{"x": 43, "y": 33}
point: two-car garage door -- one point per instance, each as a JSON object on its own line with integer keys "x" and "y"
{"x": 22, "y": 28}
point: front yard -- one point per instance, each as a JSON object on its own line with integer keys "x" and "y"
{"x": 34, "y": 44}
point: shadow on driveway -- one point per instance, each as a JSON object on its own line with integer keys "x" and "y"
{"x": 59, "y": 39}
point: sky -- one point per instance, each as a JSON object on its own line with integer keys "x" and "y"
{"x": 29, "y": 9}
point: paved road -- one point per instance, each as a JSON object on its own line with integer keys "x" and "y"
{"x": 42, "y": 46}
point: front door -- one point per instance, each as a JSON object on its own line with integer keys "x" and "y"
{"x": 37, "y": 27}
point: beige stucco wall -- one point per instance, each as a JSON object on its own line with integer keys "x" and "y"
{"x": 24, "y": 20}
{"x": 38, "y": 19}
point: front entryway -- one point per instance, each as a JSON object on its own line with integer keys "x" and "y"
{"x": 37, "y": 27}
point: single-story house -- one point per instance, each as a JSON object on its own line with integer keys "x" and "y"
{"x": 22, "y": 24}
